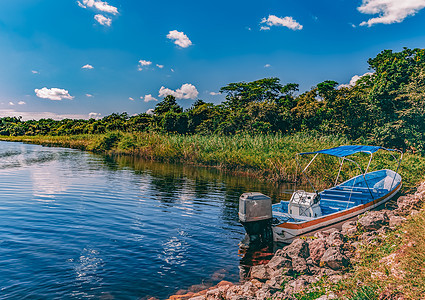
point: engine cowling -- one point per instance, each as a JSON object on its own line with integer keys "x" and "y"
{"x": 255, "y": 214}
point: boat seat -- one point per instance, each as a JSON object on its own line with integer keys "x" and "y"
{"x": 351, "y": 188}
{"x": 342, "y": 192}
{"x": 336, "y": 204}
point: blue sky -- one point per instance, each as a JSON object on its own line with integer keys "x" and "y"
{"x": 92, "y": 58}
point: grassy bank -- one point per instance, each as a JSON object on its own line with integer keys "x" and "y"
{"x": 391, "y": 267}
{"x": 268, "y": 157}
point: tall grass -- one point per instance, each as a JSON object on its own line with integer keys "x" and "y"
{"x": 265, "y": 156}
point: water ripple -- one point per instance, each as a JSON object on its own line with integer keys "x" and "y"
{"x": 82, "y": 226}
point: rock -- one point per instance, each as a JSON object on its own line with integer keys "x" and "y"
{"x": 217, "y": 293}
{"x": 200, "y": 297}
{"x": 296, "y": 285}
{"x": 335, "y": 239}
{"x": 275, "y": 283}
{"x": 278, "y": 295}
{"x": 260, "y": 272}
{"x": 414, "y": 212}
{"x": 325, "y": 233}
{"x": 317, "y": 248}
{"x": 279, "y": 262}
{"x": 409, "y": 202}
{"x": 349, "y": 228}
{"x": 355, "y": 244}
{"x": 383, "y": 230}
{"x": 299, "y": 266}
{"x": 368, "y": 237}
{"x": 328, "y": 272}
{"x": 421, "y": 188}
{"x": 246, "y": 291}
{"x": 298, "y": 248}
{"x": 329, "y": 296}
{"x": 334, "y": 259}
{"x": 263, "y": 295}
{"x": 256, "y": 283}
{"x": 373, "y": 220}
{"x": 335, "y": 278}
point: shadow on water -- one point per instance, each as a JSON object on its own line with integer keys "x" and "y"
{"x": 169, "y": 178}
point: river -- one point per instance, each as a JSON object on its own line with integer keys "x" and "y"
{"x": 77, "y": 225}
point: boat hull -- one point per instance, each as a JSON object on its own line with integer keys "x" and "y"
{"x": 288, "y": 231}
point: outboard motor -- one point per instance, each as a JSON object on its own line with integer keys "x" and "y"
{"x": 255, "y": 214}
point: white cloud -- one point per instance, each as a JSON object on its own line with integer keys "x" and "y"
{"x": 143, "y": 64}
{"x": 129, "y": 98}
{"x": 150, "y": 111}
{"x": 87, "y": 67}
{"x": 94, "y": 115}
{"x": 264, "y": 28}
{"x": 99, "y": 5}
{"x": 390, "y": 11}
{"x": 353, "y": 80}
{"x": 160, "y": 66}
{"x": 89, "y": 95}
{"x": 186, "y": 91}
{"x": 267, "y": 66}
{"x": 214, "y": 93}
{"x": 289, "y": 22}
{"x": 21, "y": 103}
{"x": 34, "y": 72}
{"x": 180, "y": 39}
{"x": 53, "y": 94}
{"x": 36, "y": 115}
{"x": 11, "y": 103}
{"x": 103, "y": 20}
{"x": 148, "y": 98}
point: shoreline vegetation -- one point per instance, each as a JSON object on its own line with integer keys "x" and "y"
{"x": 265, "y": 157}
{"x": 262, "y": 124}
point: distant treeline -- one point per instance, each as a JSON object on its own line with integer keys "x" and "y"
{"x": 384, "y": 107}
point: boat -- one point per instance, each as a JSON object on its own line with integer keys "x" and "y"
{"x": 306, "y": 212}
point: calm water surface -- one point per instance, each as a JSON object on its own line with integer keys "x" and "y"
{"x": 75, "y": 225}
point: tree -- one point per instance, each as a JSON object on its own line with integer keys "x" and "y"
{"x": 168, "y": 104}
{"x": 241, "y": 93}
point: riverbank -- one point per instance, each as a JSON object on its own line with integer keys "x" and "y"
{"x": 266, "y": 157}
{"x": 379, "y": 256}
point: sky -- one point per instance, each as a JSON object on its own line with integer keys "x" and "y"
{"x": 90, "y": 58}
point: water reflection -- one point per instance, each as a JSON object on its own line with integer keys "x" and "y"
{"x": 115, "y": 227}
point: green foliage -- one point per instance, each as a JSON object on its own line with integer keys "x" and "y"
{"x": 366, "y": 293}
{"x": 314, "y": 291}
{"x": 107, "y": 142}
{"x": 386, "y": 107}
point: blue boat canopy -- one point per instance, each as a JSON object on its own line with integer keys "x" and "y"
{"x": 343, "y": 151}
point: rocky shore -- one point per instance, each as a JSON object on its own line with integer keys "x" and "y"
{"x": 309, "y": 266}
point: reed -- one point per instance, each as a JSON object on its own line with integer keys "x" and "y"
{"x": 269, "y": 157}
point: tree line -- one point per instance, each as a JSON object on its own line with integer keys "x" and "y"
{"x": 384, "y": 107}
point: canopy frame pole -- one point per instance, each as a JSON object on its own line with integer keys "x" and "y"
{"x": 364, "y": 177}
{"x": 370, "y": 160}
{"x": 302, "y": 172}
{"x": 339, "y": 172}
{"x": 306, "y": 167}
{"x": 399, "y": 162}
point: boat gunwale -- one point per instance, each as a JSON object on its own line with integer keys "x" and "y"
{"x": 304, "y": 224}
